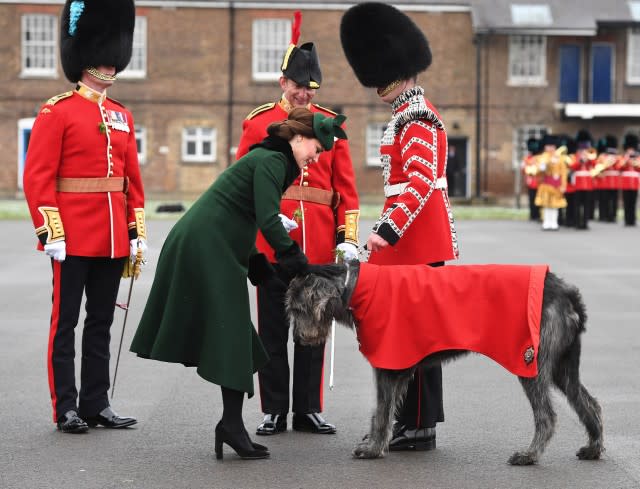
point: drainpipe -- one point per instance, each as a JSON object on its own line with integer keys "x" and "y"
{"x": 230, "y": 83}
{"x": 478, "y": 43}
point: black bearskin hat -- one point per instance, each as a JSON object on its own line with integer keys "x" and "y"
{"x": 96, "y": 33}
{"x": 607, "y": 144}
{"x": 550, "y": 139}
{"x": 382, "y": 44}
{"x": 301, "y": 64}
{"x": 532, "y": 145}
{"x": 630, "y": 141}
{"x": 569, "y": 143}
{"x": 584, "y": 139}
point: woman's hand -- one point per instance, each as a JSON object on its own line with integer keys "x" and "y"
{"x": 376, "y": 242}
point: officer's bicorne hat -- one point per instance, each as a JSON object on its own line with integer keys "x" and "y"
{"x": 301, "y": 64}
{"x": 96, "y": 33}
{"x": 630, "y": 141}
{"x": 607, "y": 144}
{"x": 550, "y": 140}
{"x": 383, "y": 45}
{"x": 584, "y": 139}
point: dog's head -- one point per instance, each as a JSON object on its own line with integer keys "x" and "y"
{"x": 315, "y": 299}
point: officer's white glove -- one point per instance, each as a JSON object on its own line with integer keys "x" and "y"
{"x": 57, "y": 250}
{"x": 349, "y": 251}
{"x": 134, "y": 244}
{"x": 289, "y": 224}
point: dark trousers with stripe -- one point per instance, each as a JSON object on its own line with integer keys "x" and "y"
{"x": 423, "y": 405}
{"x": 99, "y": 279}
{"x": 308, "y": 361}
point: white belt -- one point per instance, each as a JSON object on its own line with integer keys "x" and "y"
{"x": 630, "y": 174}
{"x": 398, "y": 188}
{"x": 582, "y": 173}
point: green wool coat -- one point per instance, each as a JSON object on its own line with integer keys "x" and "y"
{"x": 198, "y": 311}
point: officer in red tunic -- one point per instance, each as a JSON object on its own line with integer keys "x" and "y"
{"x": 581, "y": 167}
{"x": 321, "y": 210}
{"x": 387, "y": 50}
{"x": 629, "y": 167}
{"x": 82, "y": 184}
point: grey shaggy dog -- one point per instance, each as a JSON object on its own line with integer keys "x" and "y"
{"x": 313, "y": 300}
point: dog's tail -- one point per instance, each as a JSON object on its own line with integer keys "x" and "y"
{"x": 575, "y": 297}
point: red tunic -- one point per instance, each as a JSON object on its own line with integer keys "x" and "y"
{"x": 319, "y": 225}
{"x": 583, "y": 181}
{"x": 71, "y": 138}
{"x": 417, "y": 219}
{"x": 629, "y": 173}
{"x": 404, "y": 313}
{"x": 531, "y": 180}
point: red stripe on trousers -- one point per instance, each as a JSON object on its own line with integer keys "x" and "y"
{"x": 419, "y": 383}
{"x": 53, "y": 329}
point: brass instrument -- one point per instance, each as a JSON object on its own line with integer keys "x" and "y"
{"x": 543, "y": 160}
{"x": 608, "y": 160}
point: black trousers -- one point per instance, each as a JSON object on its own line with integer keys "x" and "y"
{"x": 308, "y": 361}
{"x": 582, "y": 212}
{"x": 99, "y": 279}
{"x": 423, "y": 405}
{"x": 608, "y": 205}
{"x": 534, "y": 210}
{"x": 629, "y": 200}
{"x": 569, "y": 213}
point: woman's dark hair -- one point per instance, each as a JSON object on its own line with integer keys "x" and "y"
{"x": 300, "y": 121}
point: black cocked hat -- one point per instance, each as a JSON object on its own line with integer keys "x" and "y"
{"x": 382, "y": 44}
{"x": 96, "y": 33}
{"x": 301, "y": 64}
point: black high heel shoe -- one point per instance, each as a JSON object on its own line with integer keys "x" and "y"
{"x": 240, "y": 442}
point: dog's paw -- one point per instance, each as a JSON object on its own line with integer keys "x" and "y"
{"x": 366, "y": 449}
{"x": 522, "y": 458}
{"x": 589, "y": 452}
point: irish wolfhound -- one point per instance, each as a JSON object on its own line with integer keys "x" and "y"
{"x": 313, "y": 300}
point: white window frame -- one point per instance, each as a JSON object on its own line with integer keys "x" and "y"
{"x": 519, "y": 144}
{"x": 41, "y": 50}
{"x": 24, "y": 125}
{"x": 141, "y": 144}
{"x": 373, "y": 137}
{"x": 270, "y": 40}
{"x": 137, "y": 67}
{"x": 528, "y": 52}
{"x": 633, "y": 56}
{"x": 199, "y": 136}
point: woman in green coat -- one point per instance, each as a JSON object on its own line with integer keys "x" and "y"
{"x": 198, "y": 311}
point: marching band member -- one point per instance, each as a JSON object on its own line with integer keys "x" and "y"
{"x": 568, "y": 215}
{"x": 82, "y": 183}
{"x": 553, "y": 182}
{"x": 606, "y": 178}
{"x": 629, "y": 167}
{"x": 583, "y": 181}
{"x": 530, "y": 170}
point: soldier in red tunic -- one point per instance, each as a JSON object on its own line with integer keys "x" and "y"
{"x": 581, "y": 167}
{"x": 386, "y": 51}
{"x": 629, "y": 167}
{"x": 83, "y": 187}
{"x": 321, "y": 210}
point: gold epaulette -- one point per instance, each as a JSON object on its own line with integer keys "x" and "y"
{"x": 56, "y": 98}
{"x": 260, "y": 110}
{"x": 325, "y": 109}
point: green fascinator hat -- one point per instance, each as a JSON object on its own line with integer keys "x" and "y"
{"x": 327, "y": 129}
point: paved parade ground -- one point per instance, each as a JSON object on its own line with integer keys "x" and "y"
{"x": 487, "y": 415}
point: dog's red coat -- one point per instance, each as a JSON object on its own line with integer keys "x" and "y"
{"x": 406, "y": 312}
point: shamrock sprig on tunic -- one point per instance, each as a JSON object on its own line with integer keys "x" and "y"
{"x": 102, "y": 128}
{"x": 297, "y": 215}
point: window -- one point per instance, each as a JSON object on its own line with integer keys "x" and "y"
{"x": 375, "y": 130}
{"x": 633, "y": 56}
{"x": 199, "y": 144}
{"x": 520, "y": 137}
{"x": 39, "y": 45}
{"x": 24, "y": 134}
{"x": 141, "y": 143}
{"x": 527, "y": 60}
{"x": 271, "y": 38}
{"x": 137, "y": 67}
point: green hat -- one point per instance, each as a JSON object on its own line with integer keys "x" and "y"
{"x": 326, "y": 129}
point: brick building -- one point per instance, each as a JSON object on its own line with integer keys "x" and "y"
{"x": 501, "y": 72}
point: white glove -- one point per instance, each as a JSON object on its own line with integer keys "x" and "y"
{"x": 57, "y": 250}
{"x": 349, "y": 251}
{"x": 134, "y": 244}
{"x": 289, "y": 224}
{"x": 542, "y": 166}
